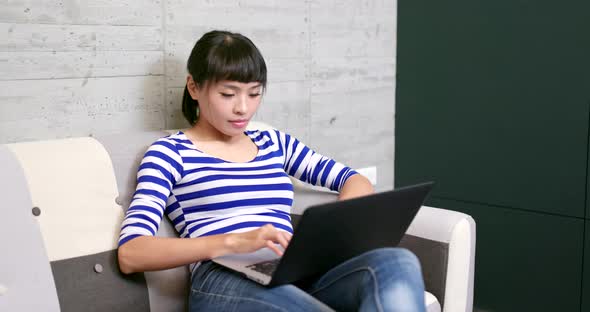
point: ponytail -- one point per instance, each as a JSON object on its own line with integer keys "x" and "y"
{"x": 190, "y": 107}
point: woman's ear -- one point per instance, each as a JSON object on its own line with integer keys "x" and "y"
{"x": 193, "y": 88}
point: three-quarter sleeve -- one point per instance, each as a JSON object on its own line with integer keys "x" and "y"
{"x": 304, "y": 164}
{"x": 160, "y": 169}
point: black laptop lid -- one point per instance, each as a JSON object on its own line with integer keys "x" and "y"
{"x": 332, "y": 233}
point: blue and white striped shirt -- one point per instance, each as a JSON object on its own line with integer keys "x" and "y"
{"x": 204, "y": 195}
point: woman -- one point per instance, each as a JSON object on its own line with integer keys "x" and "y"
{"x": 227, "y": 190}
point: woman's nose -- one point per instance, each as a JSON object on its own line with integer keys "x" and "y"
{"x": 241, "y": 105}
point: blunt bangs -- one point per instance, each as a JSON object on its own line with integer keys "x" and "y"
{"x": 236, "y": 60}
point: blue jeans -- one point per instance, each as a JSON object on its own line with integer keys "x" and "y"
{"x": 387, "y": 279}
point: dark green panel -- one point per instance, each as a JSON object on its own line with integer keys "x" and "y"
{"x": 588, "y": 178}
{"x": 525, "y": 261}
{"x": 492, "y": 101}
{"x": 586, "y": 283}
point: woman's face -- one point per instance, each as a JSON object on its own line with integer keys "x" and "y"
{"x": 228, "y": 106}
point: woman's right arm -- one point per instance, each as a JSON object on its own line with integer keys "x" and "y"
{"x": 148, "y": 253}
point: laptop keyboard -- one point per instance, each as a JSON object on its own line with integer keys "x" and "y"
{"x": 265, "y": 267}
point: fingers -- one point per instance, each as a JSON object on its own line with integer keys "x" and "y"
{"x": 287, "y": 236}
{"x": 274, "y": 236}
{"x": 272, "y": 246}
{"x": 282, "y": 239}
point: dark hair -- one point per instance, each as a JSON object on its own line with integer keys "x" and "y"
{"x": 222, "y": 55}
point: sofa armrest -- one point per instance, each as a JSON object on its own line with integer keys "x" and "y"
{"x": 308, "y": 195}
{"x": 444, "y": 241}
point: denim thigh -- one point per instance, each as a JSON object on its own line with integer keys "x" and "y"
{"x": 215, "y": 288}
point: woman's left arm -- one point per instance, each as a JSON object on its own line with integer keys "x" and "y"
{"x": 356, "y": 186}
{"x": 310, "y": 167}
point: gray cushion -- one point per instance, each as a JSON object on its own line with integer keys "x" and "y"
{"x": 94, "y": 283}
{"x": 433, "y": 257}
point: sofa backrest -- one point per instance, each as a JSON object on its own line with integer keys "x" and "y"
{"x": 72, "y": 190}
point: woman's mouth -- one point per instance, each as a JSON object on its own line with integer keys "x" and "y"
{"x": 241, "y": 123}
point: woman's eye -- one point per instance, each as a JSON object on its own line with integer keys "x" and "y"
{"x": 254, "y": 94}
{"x": 226, "y": 94}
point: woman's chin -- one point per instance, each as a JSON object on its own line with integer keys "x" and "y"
{"x": 232, "y": 132}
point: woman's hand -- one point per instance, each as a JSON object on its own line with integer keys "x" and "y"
{"x": 265, "y": 236}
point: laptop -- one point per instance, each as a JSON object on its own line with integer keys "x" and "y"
{"x": 331, "y": 233}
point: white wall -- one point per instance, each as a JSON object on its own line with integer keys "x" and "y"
{"x": 78, "y": 68}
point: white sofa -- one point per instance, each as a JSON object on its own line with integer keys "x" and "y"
{"x": 63, "y": 201}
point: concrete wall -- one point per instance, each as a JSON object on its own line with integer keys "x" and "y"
{"x": 104, "y": 66}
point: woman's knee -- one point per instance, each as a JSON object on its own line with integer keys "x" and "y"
{"x": 395, "y": 265}
{"x": 401, "y": 282}
{"x": 392, "y": 257}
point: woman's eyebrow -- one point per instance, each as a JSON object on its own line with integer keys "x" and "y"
{"x": 236, "y": 88}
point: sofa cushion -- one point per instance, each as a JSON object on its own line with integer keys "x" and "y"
{"x": 94, "y": 283}
{"x": 433, "y": 260}
{"x": 72, "y": 183}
